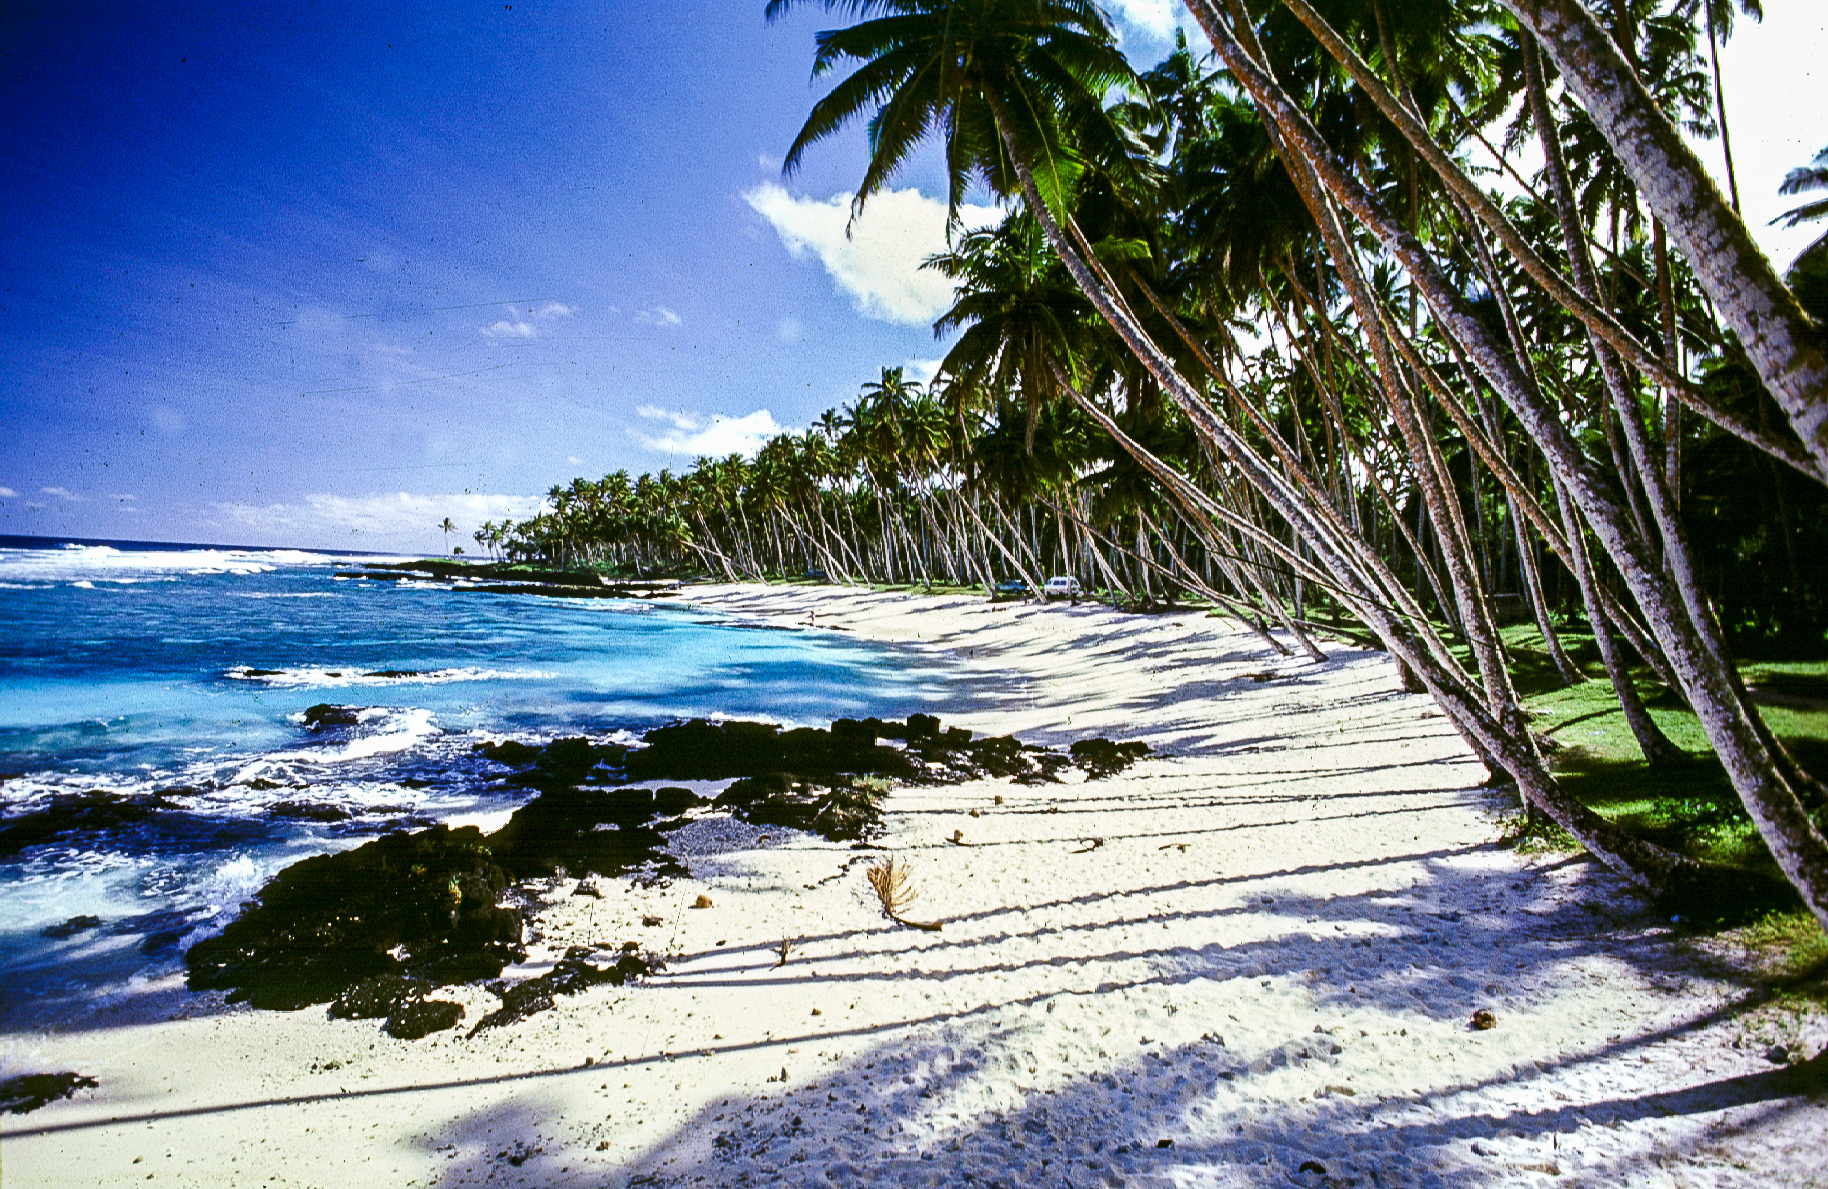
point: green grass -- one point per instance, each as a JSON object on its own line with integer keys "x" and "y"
{"x": 1690, "y": 807}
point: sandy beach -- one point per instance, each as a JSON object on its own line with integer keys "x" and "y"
{"x": 1253, "y": 958}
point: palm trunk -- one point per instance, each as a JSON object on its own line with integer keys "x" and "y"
{"x": 1795, "y": 842}
{"x": 1779, "y": 338}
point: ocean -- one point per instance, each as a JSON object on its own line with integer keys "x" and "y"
{"x": 181, "y": 677}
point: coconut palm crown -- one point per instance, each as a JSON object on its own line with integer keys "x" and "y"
{"x": 993, "y": 77}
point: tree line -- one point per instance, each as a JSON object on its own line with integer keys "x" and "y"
{"x": 1416, "y": 316}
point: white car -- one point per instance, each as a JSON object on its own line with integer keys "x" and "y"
{"x": 1060, "y": 588}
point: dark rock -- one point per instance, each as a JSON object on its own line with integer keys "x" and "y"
{"x": 1101, "y": 757}
{"x": 261, "y": 672}
{"x": 329, "y": 922}
{"x": 567, "y": 761}
{"x": 569, "y": 976}
{"x": 309, "y": 811}
{"x": 778, "y": 799}
{"x": 582, "y": 830}
{"x": 28, "y": 1092}
{"x": 71, "y": 927}
{"x": 671, "y": 802}
{"x": 161, "y": 941}
{"x": 510, "y": 752}
{"x": 558, "y": 764}
{"x": 415, "y": 1018}
{"x": 373, "y": 998}
{"x": 395, "y": 673}
{"x": 81, "y": 813}
{"x": 324, "y": 714}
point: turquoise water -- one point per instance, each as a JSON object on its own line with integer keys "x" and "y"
{"x": 186, "y": 672}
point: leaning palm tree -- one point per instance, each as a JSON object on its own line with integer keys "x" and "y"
{"x": 447, "y": 528}
{"x": 1005, "y": 80}
{"x": 1780, "y": 339}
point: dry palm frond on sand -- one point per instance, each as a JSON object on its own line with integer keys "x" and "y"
{"x": 889, "y": 879}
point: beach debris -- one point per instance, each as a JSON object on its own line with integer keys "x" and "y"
{"x": 1484, "y": 1020}
{"x": 958, "y": 838}
{"x": 783, "y": 949}
{"x": 1180, "y": 846}
{"x": 999, "y": 798}
{"x": 650, "y": 921}
{"x": 703, "y": 901}
{"x": 27, "y": 1092}
{"x": 588, "y": 886}
{"x": 976, "y": 813}
{"x": 1087, "y": 844}
{"x": 889, "y": 880}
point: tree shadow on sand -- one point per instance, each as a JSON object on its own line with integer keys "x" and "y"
{"x": 981, "y": 1097}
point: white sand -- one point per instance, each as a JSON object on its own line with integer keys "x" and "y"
{"x": 1249, "y": 960}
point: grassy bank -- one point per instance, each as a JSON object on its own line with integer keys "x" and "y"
{"x": 1689, "y": 807}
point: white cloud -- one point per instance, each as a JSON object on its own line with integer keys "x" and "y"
{"x": 1156, "y": 18}
{"x": 789, "y": 329}
{"x": 658, "y": 316}
{"x": 878, "y": 263}
{"x": 517, "y": 329}
{"x": 7, "y": 493}
{"x": 922, "y": 369}
{"x": 395, "y": 519}
{"x": 680, "y": 420}
{"x": 516, "y": 326}
{"x": 574, "y": 460}
{"x": 62, "y": 493}
{"x": 717, "y": 436}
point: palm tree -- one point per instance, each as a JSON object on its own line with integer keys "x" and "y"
{"x": 1813, "y": 176}
{"x": 1779, "y": 337}
{"x": 1001, "y": 78}
{"x": 447, "y": 528}
{"x": 1005, "y": 79}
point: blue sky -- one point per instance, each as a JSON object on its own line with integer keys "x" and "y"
{"x": 324, "y": 278}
